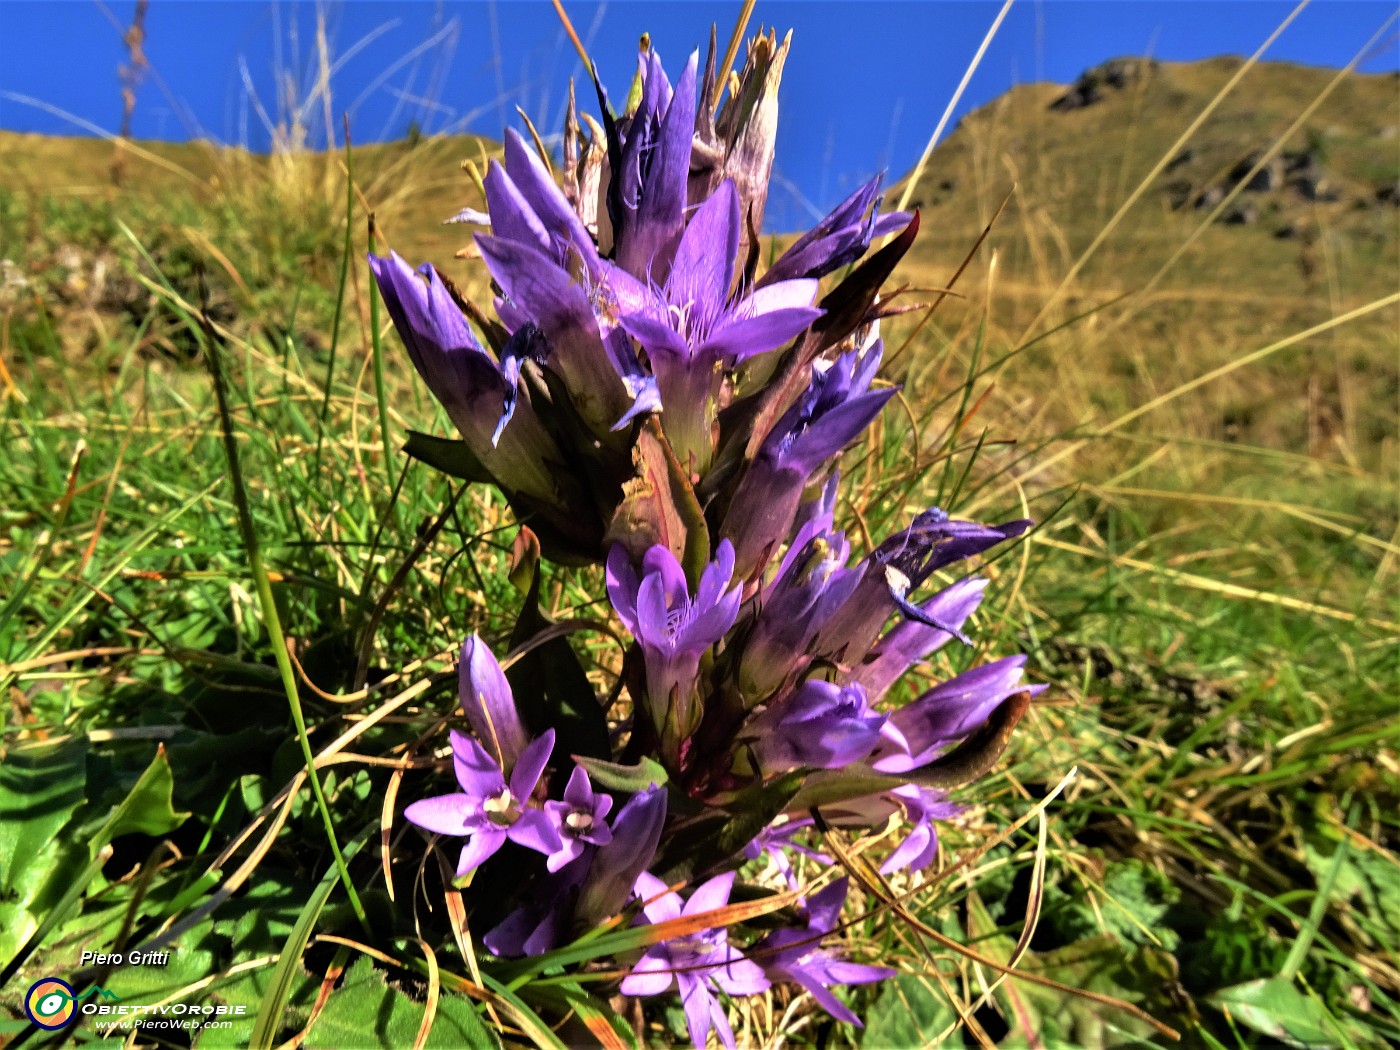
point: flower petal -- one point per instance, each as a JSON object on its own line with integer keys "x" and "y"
{"x": 710, "y": 895}
{"x": 479, "y": 848}
{"x": 739, "y": 338}
{"x": 651, "y": 976}
{"x": 704, "y": 262}
{"x": 530, "y": 765}
{"x": 476, "y": 771}
{"x": 488, "y": 703}
{"x": 443, "y": 814}
{"x": 699, "y": 1005}
{"x": 533, "y": 830}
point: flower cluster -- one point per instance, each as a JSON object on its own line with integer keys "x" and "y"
{"x": 647, "y": 400}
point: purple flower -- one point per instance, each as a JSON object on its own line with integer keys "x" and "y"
{"x": 913, "y": 640}
{"x": 541, "y": 923}
{"x": 811, "y": 581}
{"x": 691, "y": 328}
{"x": 776, "y": 838}
{"x": 948, "y": 712}
{"x": 919, "y": 806}
{"x": 673, "y": 628}
{"x": 636, "y": 831}
{"x": 696, "y": 961}
{"x": 589, "y": 360}
{"x": 580, "y": 820}
{"x": 932, "y": 542}
{"x": 922, "y": 806}
{"x": 487, "y": 810}
{"x": 489, "y": 705}
{"x": 596, "y": 883}
{"x": 527, "y": 207}
{"x": 821, "y": 726}
{"x": 544, "y": 260}
{"x": 505, "y": 435}
{"x": 649, "y": 163}
{"x": 836, "y": 406}
{"x": 798, "y": 955}
{"x": 839, "y": 239}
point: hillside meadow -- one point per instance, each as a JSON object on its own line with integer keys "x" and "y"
{"x": 1177, "y": 352}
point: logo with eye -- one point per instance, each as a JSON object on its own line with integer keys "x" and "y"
{"x": 49, "y": 1003}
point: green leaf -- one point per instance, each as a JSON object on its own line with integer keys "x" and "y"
{"x": 910, "y": 1011}
{"x": 279, "y": 990}
{"x": 1043, "y": 1016}
{"x": 149, "y": 809}
{"x": 146, "y": 808}
{"x": 709, "y": 842}
{"x": 365, "y": 1011}
{"x": 1364, "y": 878}
{"x": 1133, "y": 905}
{"x": 1276, "y": 1008}
{"x": 628, "y": 779}
{"x": 40, "y": 788}
{"x": 451, "y": 457}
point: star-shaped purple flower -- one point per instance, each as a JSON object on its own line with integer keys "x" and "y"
{"x": 694, "y": 962}
{"x": 580, "y": 820}
{"x": 488, "y": 810}
{"x": 692, "y": 329}
{"x": 673, "y": 627}
{"x": 797, "y": 955}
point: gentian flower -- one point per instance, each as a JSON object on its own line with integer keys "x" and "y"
{"x": 692, "y": 330}
{"x": 776, "y": 838}
{"x": 648, "y": 165}
{"x": 696, "y": 961}
{"x": 919, "y": 808}
{"x": 932, "y": 542}
{"x": 548, "y": 269}
{"x": 489, "y": 705}
{"x": 538, "y": 290}
{"x": 913, "y": 640}
{"x": 527, "y": 207}
{"x": 948, "y": 712}
{"x": 542, "y": 921}
{"x": 839, "y": 239}
{"x": 673, "y": 628}
{"x": 596, "y": 883}
{"x": 798, "y": 956}
{"x": 503, "y": 433}
{"x": 922, "y": 806}
{"x": 836, "y": 406}
{"x": 811, "y": 581}
{"x": 636, "y": 831}
{"x": 488, "y": 810}
{"x": 579, "y": 819}
{"x": 821, "y": 726}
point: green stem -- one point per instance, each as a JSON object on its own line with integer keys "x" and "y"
{"x": 269, "y": 611}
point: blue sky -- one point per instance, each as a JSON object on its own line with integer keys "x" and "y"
{"x": 864, "y": 87}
